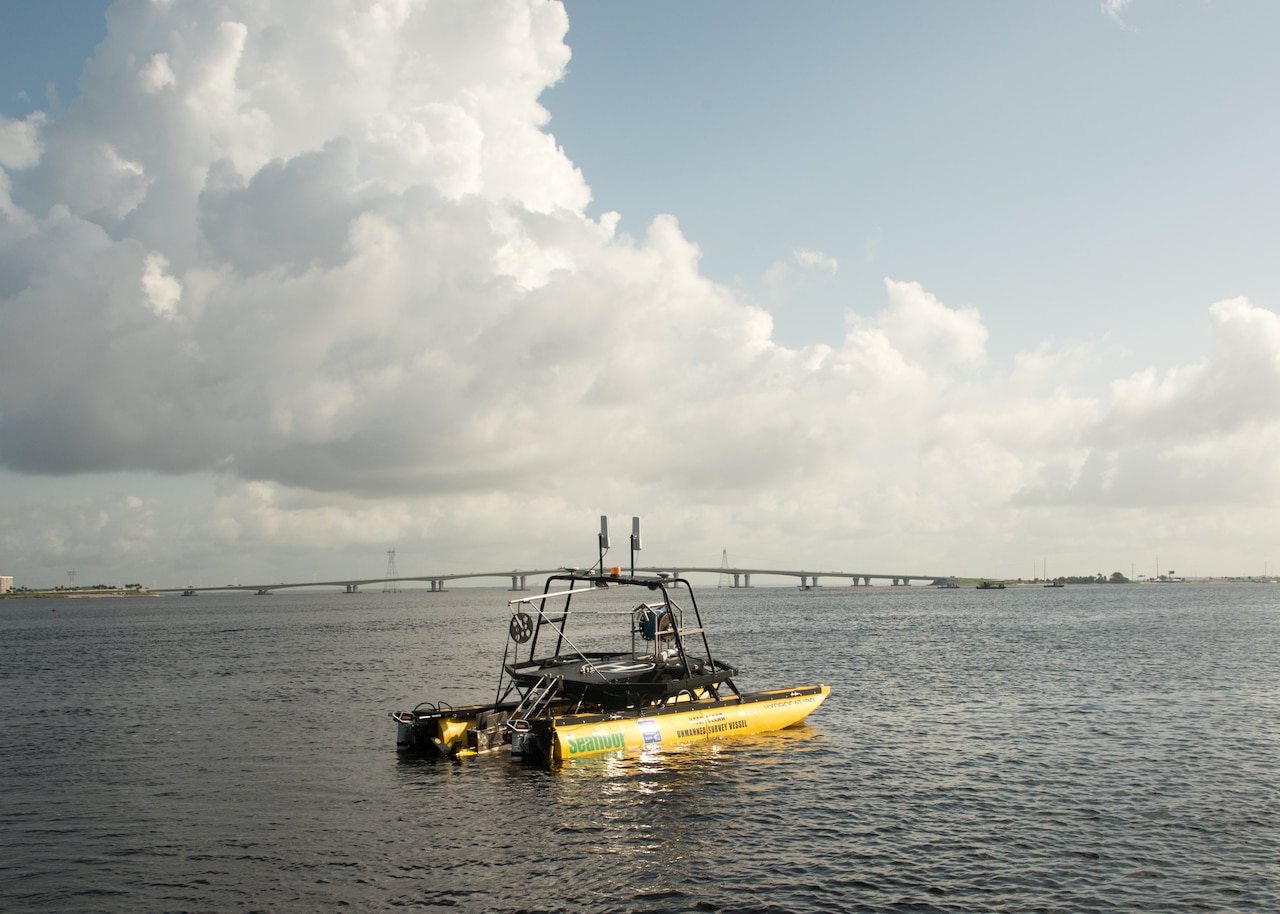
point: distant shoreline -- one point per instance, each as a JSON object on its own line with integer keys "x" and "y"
{"x": 75, "y": 594}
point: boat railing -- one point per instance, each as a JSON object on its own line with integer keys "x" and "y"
{"x": 537, "y": 699}
{"x": 681, "y": 633}
{"x": 557, "y": 621}
{"x": 657, "y": 629}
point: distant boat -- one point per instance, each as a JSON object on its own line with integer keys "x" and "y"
{"x": 189, "y": 592}
{"x": 262, "y": 593}
{"x": 1055, "y": 584}
{"x": 991, "y": 585}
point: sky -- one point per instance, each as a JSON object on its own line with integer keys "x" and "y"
{"x": 924, "y": 287}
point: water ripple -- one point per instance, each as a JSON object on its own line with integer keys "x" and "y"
{"x": 1091, "y": 749}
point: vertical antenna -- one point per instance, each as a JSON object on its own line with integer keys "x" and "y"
{"x": 604, "y": 539}
{"x": 635, "y": 543}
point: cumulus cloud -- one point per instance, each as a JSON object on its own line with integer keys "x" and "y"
{"x": 286, "y": 223}
{"x": 331, "y": 256}
{"x": 1116, "y": 9}
{"x": 107, "y": 530}
{"x": 817, "y": 259}
{"x": 20, "y": 141}
{"x": 804, "y": 262}
{"x": 156, "y": 75}
{"x": 919, "y": 327}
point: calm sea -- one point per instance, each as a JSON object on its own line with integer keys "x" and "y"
{"x": 1103, "y": 748}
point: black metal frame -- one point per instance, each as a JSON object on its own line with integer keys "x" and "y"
{"x": 590, "y": 689}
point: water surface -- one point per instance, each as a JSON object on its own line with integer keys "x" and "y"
{"x": 1104, "y": 748}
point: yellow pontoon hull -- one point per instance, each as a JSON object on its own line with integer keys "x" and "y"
{"x": 686, "y": 722}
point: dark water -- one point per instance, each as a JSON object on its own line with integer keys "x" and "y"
{"x": 1086, "y": 749}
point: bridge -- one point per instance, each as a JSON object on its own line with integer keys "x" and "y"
{"x": 808, "y": 580}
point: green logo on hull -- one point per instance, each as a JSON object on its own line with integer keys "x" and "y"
{"x": 600, "y": 742}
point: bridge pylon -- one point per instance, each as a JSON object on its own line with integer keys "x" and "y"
{"x": 391, "y": 585}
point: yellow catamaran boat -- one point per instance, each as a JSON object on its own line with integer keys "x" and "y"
{"x": 660, "y": 687}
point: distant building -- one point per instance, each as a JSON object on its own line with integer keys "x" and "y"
{"x": 6, "y": 583}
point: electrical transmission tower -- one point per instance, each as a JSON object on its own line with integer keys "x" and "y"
{"x": 391, "y": 585}
{"x": 726, "y": 580}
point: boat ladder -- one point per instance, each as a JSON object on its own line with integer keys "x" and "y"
{"x": 536, "y": 700}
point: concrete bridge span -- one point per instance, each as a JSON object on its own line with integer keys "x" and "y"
{"x": 519, "y": 578}
{"x": 810, "y": 579}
